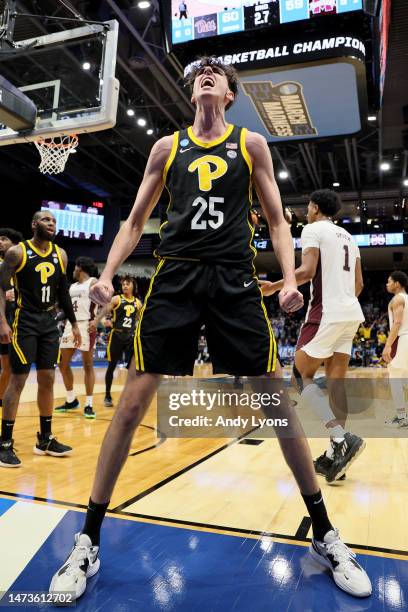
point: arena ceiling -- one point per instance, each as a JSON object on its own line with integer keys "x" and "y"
{"x": 111, "y": 164}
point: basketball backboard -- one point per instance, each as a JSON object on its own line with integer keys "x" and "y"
{"x": 70, "y": 76}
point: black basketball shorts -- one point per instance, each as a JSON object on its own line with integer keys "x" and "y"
{"x": 119, "y": 343}
{"x": 35, "y": 339}
{"x": 185, "y": 295}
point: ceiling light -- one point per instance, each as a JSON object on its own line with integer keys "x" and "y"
{"x": 149, "y": 132}
{"x": 130, "y": 112}
{"x": 86, "y": 66}
{"x": 376, "y": 226}
{"x": 372, "y": 117}
{"x": 384, "y": 166}
{"x": 283, "y": 174}
{"x": 369, "y": 221}
{"x": 336, "y": 184}
{"x": 143, "y": 4}
{"x": 142, "y": 122}
{"x": 405, "y": 182}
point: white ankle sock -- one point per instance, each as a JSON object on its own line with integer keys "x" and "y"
{"x": 89, "y": 400}
{"x": 337, "y": 433}
{"x": 70, "y": 396}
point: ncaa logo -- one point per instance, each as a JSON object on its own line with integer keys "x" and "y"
{"x": 184, "y": 142}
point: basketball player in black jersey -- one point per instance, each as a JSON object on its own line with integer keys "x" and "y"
{"x": 204, "y": 275}
{"x": 38, "y": 270}
{"x": 124, "y": 308}
{"x": 8, "y": 238}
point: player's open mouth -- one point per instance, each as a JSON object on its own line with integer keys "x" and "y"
{"x": 207, "y": 82}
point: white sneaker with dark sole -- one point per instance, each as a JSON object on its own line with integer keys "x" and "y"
{"x": 82, "y": 563}
{"x": 341, "y": 561}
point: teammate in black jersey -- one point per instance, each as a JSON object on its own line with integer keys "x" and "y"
{"x": 8, "y": 238}
{"x": 125, "y": 309}
{"x": 38, "y": 270}
{"x": 204, "y": 275}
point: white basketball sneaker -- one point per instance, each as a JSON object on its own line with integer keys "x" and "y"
{"x": 347, "y": 573}
{"x": 82, "y": 563}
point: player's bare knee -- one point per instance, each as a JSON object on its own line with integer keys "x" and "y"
{"x": 45, "y": 379}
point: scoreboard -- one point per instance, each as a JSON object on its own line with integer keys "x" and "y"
{"x": 77, "y": 220}
{"x": 192, "y": 20}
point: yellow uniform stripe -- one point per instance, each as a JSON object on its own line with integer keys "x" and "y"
{"x": 138, "y": 346}
{"x": 244, "y": 150}
{"x": 172, "y": 155}
{"x": 58, "y": 251}
{"x": 39, "y": 252}
{"x": 271, "y": 365}
{"x": 15, "y": 341}
{"x": 213, "y": 143}
{"x": 165, "y": 172}
{"x": 24, "y": 261}
{"x": 108, "y": 348}
{"x": 114, "y": 309}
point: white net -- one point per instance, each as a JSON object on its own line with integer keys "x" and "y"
{"x": 55, "y": 152}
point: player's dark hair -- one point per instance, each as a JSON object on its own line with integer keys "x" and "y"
{"x": 327, "y": 200}
{"x": 206, "y": 60}
{"x": 132, "y": 280}
{"x": 11, "y": 234}
{"x": 400, "y": 277}
{"x": 87, "y": 264}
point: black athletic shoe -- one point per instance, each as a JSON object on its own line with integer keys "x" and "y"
{"x": 48, "y": 445}
{"x": 8, "y": 457}
{"x": 67, "y": 406}
{"x": 108, "y": 402}
{"x": 89, "y": 413}
{"x": 345, "y": 453}
{"x": 323, "y": 464}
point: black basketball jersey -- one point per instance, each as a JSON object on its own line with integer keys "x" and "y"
{"x": 124, "y": 315}
{"x": 209, "y": 184}
{"x": 37, "y": 278}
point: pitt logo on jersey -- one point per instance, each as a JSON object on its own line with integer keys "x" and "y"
{"x": 46, "y": 269}
{"x": 210, "y": 168}
{"x": 129, "y": 310}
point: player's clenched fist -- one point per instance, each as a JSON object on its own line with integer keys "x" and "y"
{"x": 290, "y": 299}
{"x": 101, "y": 292}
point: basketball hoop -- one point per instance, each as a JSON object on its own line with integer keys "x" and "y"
{"x": 55, "y": 151}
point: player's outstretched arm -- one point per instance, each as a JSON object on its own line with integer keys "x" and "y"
{"x": 11, "y": 263}
{"x": 303, "y": 274}
{"x": 129, "y": 234}
{"x": 268, "y": 193}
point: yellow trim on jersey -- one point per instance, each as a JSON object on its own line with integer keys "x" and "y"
{"x": 18, "y": 292}
{"x": 14, "y": 340}
{"x": 108, "y": 348}
{"x": 244, "y": 150}
{"x": 114, "y": 309}
{"x": 212, "y": 143}
{"x": 165, "y": 172}
{"x": 172, "y": 155}
{"x": 130, "y": 300}
{"x": 138, "y": 343}
{"x": 251, "y": 246}
{"x": 58, "y": 251}
{"x": 23, "y": 263}
{"x": 39, "y": 252}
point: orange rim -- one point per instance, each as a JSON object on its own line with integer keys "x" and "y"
{"x": 73, "y": 142}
